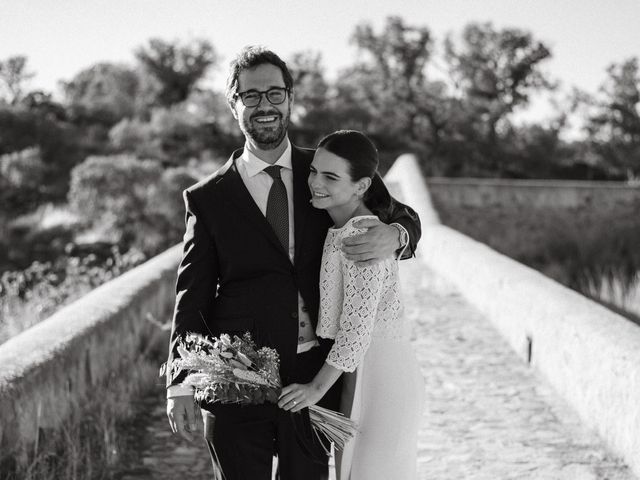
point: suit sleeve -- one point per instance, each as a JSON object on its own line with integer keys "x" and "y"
{"x": 408, "y": 218}
{"x": 196, "y": 284}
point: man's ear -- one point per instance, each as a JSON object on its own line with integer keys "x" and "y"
{"x": 232, "y": 107}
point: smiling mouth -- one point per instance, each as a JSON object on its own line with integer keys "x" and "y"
{"x": 319, "y": 195}
{"x": 266, "y": 118}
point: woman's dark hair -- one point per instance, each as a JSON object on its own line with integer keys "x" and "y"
{"x": 250, "y": 57}
{"x": 361, "y": 154}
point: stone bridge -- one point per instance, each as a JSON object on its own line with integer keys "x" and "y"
{"x": 525, "y": 379}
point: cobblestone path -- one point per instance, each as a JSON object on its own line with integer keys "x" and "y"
{"x": 488, "y": 416}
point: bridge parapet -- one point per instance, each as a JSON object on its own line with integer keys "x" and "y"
{"x": 47, "y": 369}
{"x": 588, "y": 353}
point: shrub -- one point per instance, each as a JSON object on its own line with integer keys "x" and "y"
{"x": 35, "y": 293}
{"x": 131, "y": 202}
{"x": 172, "y": 136}
{"x": 113, "y": 193}
{"x": 21, "y": 177}
{"x": 42, "y": 124}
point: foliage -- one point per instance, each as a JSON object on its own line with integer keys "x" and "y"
{"x": 312, "y": 115}
{"x": 172, "y": 135}
{"x": 103, "y": 93}
{"x": 614, "y": 127}
{"x": 40, "y": 235}
{"x": 496, "y": 71}
{"x": 390, "y": 81}
{"x": 13, "y": 76}
{"x": 21, "y": 176}
{"x": 38, "y": 121}
{"x": 460, "y": 124}
{"x": 172, "y": 70}
{"x": 129, "y": 201}
{"x": 29, "y": 296}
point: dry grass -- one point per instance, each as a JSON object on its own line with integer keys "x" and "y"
{"x": 31, "y": 295}
{"x": 585, "y": 249}
{"x": 92, "y": 442}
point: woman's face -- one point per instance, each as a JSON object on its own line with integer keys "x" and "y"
{"x": 330, "y": 182}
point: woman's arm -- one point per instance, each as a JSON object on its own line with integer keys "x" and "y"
{"x": 363, "y": 287}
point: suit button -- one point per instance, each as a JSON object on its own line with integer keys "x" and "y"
{"x": 294, "y": 314}
{"x": 300, "y": 339}
{"x": 304, "y": 308}
{"x": 302, "y": 324}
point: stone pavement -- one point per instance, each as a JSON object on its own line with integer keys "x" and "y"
{"x": 488, "y": 416}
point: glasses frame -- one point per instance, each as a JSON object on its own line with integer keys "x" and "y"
{"x": 264, "y": 93}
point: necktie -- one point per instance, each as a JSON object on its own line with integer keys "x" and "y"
{"x": 278, "y": 206}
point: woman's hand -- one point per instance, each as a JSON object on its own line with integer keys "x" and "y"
{"x": 297, "y": 396}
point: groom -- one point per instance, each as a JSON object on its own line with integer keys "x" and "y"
{"x": 251, "y": 261}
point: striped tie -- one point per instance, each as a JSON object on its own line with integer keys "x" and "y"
{"x": 278, "y": 206}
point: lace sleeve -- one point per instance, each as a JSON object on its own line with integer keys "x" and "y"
{"x": 362, "y": 292}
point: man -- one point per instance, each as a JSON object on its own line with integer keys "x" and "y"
{"x": 251, "y": 260}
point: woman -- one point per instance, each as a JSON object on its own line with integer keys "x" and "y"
{"x": 360, "y": 308}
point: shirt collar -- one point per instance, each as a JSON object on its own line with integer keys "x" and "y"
{"x": 254, "y": 165}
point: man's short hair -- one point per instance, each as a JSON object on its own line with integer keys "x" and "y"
{"x": 250, "y": 57}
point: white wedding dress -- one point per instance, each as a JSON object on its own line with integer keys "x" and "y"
{"x": 361, "y": 308}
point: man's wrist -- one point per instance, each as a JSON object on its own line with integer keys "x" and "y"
{"x": 403, "y": 237}
{"x": 179, "y": 391}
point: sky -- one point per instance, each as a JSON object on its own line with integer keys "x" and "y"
{"x": 62, "y": 37}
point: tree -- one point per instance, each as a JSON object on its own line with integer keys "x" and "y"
{"x": 396, "y": 59}
{"x": 38, "y": 121}
{"x": 13, "y": 76}
{"x": 495, "y": 71}
{"x": 103, "y": 93}
{"x": 172, "y": 135}
{"x": 171, "y": 70}
{"x": 312, "y": 115}
{"x": 614, "y": 128}
{"x": 128, "y": 201}
{"x": 200, "y": 126}
{"x": 22, "y": 175}
{"x": 389, "y": 93}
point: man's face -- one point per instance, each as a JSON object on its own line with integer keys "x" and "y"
{"x": 265, "y": 124}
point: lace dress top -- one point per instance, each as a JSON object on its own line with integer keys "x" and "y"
{"x": 356, "y": 302}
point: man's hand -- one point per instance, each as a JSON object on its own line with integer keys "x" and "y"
{"x": 182, "y": 416}
{"x": 380, "y": 241}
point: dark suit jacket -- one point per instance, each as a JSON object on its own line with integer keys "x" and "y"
{"x": 235, "y": 276}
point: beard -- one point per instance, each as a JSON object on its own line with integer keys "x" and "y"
{"x": 266, "y": 138}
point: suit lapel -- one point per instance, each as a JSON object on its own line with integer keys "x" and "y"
{"x": 235, "y": 191}
{"x": 301, "y": 196}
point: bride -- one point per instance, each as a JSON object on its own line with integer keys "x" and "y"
{"x": 361, "y": 309}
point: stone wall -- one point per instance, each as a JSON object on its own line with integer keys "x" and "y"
{"x": 475, "y": 192}
{"x": 589, "y": 354}
{"x": 48, "y": 368}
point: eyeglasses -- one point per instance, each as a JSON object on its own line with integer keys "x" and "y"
{"x": 275, "y": 95}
